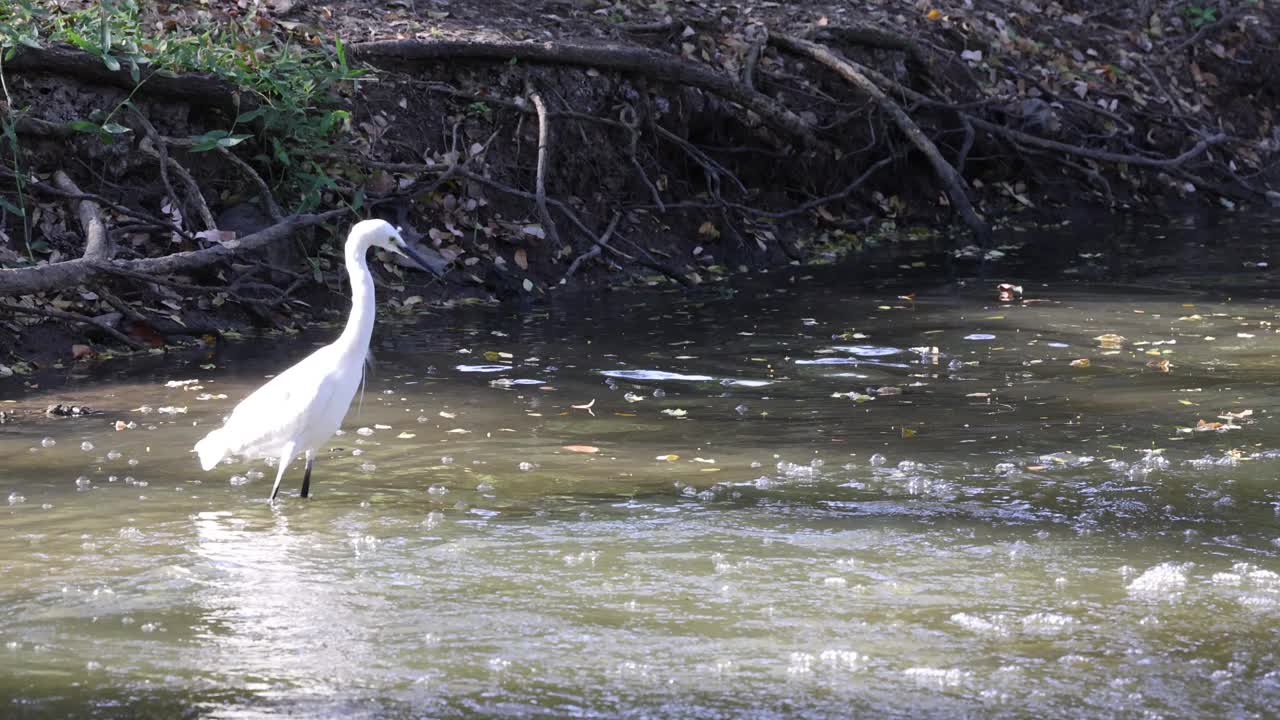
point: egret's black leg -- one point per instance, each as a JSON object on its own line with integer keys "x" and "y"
{"x": 306, "y": 476}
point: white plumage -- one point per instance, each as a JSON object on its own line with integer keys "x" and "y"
{"x": 302, "y": 407}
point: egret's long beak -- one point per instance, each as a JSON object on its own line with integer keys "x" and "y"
{"x": 421, "y": 261}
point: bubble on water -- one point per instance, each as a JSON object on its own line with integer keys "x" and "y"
{"x": 937, "y": 677}
{"x": 130, "y": 533}
{"x": 980, "y": 625}
{"x": 835, "y": 582}
{"x": 48, "y": 442}
{"x": 1164, "y": 581}
{"x": 1224, "y": 578}
{"x": 485, "y": 487}
{"x": 113, "y": 455}
{"x": 741, "y": 409}
{"x": 587, "y": 557}
{"x": 446, "y": 460}
{"x": 86, "y": 446}
{"x": 149, "y": 627}
{"x": 1005, "y": 468}
{"x": 659, "y": 393}
{"x": 92, "y": 665}
{"x": 907, "y": 466}
{"x": 800, "y": 663}
{"x": 357, "y": 452}
{"x": 433, "y": 520}
{"x": 499, "y": 664}
{"x": 368, "y": 467}
{"x": 843, "y": 659}
{"x": 128, "y": 480}
{"x": 236, "y": 480}
{"x": 133, "y": 462}
{"x": 1117, "y": 466}
{"x": 255, "y": 475}
{"x": 763, "y": 482}
{"x": 424, "y": 419}
{"x": 437, "y": 490}
{"x": 83, "y": 481}
{"x": 877, "y": 460}
{"x": 12, "y": 645}
{"x": 365, "y": 431}
{"x": 16, "y": 499}
{"x": 1045, "y": 623}
{"x": 526, "y": 466}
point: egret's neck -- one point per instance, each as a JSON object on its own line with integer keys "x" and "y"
{"x": 355, "y": 338}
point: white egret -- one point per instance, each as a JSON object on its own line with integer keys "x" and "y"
{"x": 302, "y": 407}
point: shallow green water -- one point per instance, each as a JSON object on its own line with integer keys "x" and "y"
{"x": 1007, "y": 536}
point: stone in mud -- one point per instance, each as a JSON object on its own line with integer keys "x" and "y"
{"x": 61, "y": 410}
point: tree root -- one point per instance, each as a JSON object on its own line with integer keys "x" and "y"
{"x": 540, "y": 181}
{"x": 621, "y": 58}
{"x": 45, "y": 278}
{"x": 200, "y": 89}
{"x": 73, "y": 317}
{"x": 946, "y": 174}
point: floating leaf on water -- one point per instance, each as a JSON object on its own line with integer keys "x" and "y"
{"x": 406, "y": 436}
{"x": 1162, "y": 365}
{"x": 670, "y": 457}
{"x": 980, "y": 336}
{"x": 653, "y": 375}
{"x": 867, "y": 350}
{"x": 675, "y": 412}
{"x": 854, "y": 396}
{"x": 458, "y": 431}
{"x": 483, "y": 368}
{"x": 581, "y": 448}
{"x": 1081, "y": 363}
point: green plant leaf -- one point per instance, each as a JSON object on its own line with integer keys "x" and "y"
{"x": 112, "y": 64}
{"x": 11, "y": 208}
{"x": 116, "y": 128}
{"x": 84, "y": 126}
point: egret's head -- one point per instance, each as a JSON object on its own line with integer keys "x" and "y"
{"x": 384, "y": 235}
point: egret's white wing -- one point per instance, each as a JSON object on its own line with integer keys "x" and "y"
{"x": 282, "y": 409}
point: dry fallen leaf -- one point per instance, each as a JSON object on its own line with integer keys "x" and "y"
{"x": 81, "y": 351}
{"x": 582, "y": 448}
{"x": 1081, "y": 363}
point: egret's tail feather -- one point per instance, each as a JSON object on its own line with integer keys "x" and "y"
{"x": 211, "y": 450}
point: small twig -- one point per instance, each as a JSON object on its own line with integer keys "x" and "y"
{"x": 758, "y": 44}
{"x": 265, "y": 192}
{"x": 601, "y": 243}
{"x": 162, "y": 152}
{"x": 73, "y": 317}
{"x": 97, "y": 246}
{"x": 540, "y": 182}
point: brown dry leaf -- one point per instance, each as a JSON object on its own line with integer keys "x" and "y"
{"x": 1081, "y": 363}
{"x": 708, "y": 229}
{"x": 581, "y": 448}
{"x": 1162, "y": 365}
{"x": 1111, "y": 341}
{"x": 521, "y": 259}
